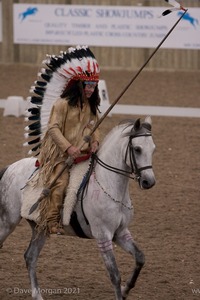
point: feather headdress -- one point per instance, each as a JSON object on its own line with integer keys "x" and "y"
{"x": 76, "y": 64}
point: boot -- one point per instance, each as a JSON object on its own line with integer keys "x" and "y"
{"x": 55, "y": 228}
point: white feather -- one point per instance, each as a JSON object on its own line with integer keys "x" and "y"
{"x": 173, "y": 3}
{"x": 26, "y": 128}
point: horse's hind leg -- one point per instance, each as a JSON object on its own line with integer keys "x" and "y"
{"x": 7, "y": 225}
{"x": 125, "y": 241}
{"x": 31, "y": 255}
{"x": 106, "y": 250}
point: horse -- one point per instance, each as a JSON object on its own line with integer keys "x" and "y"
{"x": 103, "y": 211}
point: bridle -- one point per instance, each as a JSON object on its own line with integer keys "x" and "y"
{"x": 129, "y": 150}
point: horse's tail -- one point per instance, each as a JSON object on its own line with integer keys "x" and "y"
{"x": 2, "y": 171}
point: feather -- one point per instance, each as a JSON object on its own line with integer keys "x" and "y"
{"x": 39, "y": 91}
{"x": 169, "y": 11}
{"x": 26, "y": 128}
{"x": 34, "y": 110}
{"x": 45, "y": 77}
{"x": 173, "y": 3}
{"x": 40, "y": 83}
{"x": 176, "y": 6}
{"x": 36, "y": 148}
{"x": 34, "y": 126}
{"x": 35, "y": 132}
{"x": 36, "y": 100}
{"x": 34, "y": 141}
{"x": 30, "y": 152}
{"x": 33, "y": 118}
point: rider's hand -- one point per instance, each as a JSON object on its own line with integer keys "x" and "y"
{"x": 94, "y": 146}
{"x": 73, "y": 151}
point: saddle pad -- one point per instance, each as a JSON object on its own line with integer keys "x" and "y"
{"x": 33, "y": 190}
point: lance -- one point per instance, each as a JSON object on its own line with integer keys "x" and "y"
{"x": 69, "y": 161}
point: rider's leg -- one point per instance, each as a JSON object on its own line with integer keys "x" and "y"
{"x": 56, "y": 200}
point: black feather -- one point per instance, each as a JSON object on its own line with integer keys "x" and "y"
{"x": 35, "y": 125}
{"x": 48, "y": 72}
{"x": 36, "y": 147}
{"x": 34, "y": 118}
{"x": 34, "y": 141}
{"x": 39, "y": 91}
{"x": 55, "y": 63}
{"x": 36, "y": 100}
{"x": 46, "y": 77}
{"x": 41, "y": 83}
{"x": 34, "y": 110}
{"x": 34, "y": 133}
{"x": 166, "y": 12}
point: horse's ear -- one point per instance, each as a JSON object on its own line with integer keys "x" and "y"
{"x": 137, "y": 124}
{"x": 148, "y": 120}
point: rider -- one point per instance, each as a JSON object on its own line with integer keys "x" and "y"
{"x": 72, "y": 117}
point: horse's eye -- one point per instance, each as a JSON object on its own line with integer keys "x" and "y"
{"x": 137, "y": 149}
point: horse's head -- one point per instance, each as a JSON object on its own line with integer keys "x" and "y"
{"x": 139, "y": 152}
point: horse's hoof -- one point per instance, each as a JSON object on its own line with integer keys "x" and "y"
{"x": 124, "y": 292}
{"x": 1, "y": 246}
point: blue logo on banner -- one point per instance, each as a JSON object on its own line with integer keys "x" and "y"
{"x": 189, "y": 18}
{"x": 29, "y": 12}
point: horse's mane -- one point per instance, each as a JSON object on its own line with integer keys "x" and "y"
{"x": 135, "y": 127}
{"x": 2, "y": 171}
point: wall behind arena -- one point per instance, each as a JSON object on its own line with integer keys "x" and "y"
{"x": 108, "y": 57}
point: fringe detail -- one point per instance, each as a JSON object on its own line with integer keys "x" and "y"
{"x": 42, "y": 224}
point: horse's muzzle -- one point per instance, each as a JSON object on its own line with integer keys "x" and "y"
{"x": 146, "y": 182}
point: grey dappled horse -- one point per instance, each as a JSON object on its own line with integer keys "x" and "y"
{"x": 106, "y": 209}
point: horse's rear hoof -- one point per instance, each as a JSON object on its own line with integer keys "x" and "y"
{"x": 1, "y": 246}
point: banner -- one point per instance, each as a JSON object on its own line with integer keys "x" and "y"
{"x": 111, "y": 26}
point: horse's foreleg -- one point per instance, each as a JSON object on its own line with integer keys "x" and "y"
{"x": 125, "y": 241}
{"x": 106, "y": 250}
{"x": 31, "y": 255}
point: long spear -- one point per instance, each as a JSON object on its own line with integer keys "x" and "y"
{"x": 69, "y": 161}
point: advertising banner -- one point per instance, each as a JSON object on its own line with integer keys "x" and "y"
{"x": 111, "y": 26}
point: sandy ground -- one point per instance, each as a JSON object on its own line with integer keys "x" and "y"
{"x": 166, "y": 225}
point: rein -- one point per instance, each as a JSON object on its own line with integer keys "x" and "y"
{"x": 110, "y": 168}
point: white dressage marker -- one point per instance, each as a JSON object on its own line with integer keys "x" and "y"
{"x": 14, "y": 106}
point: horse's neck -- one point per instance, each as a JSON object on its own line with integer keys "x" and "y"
{"x": 111, "y": 153}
